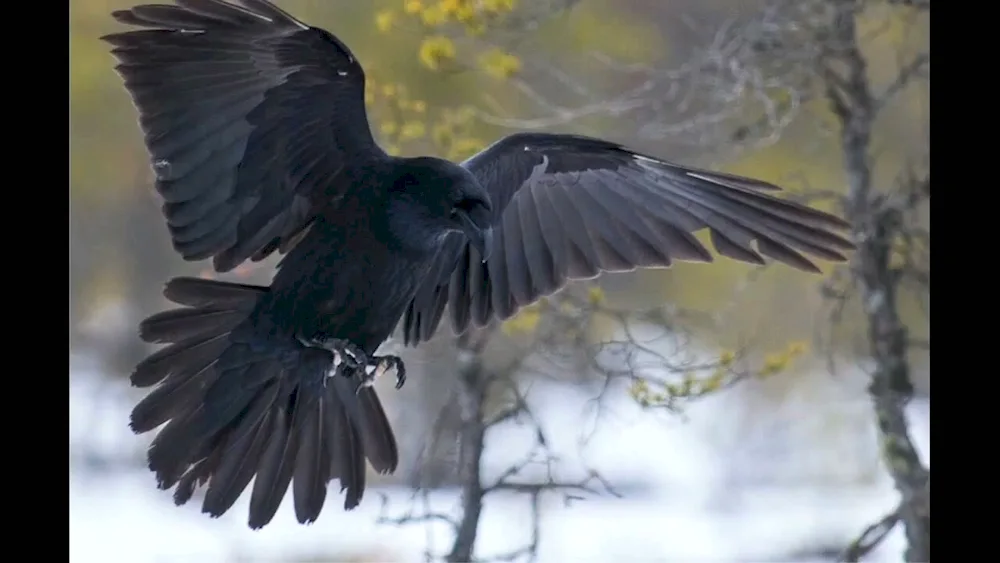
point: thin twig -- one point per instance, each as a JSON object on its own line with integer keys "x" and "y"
{"x": 870, "y": 538}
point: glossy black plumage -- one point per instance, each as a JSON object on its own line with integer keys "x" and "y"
{"x": 256, "y": 128}
{"x": 569, "y": 207}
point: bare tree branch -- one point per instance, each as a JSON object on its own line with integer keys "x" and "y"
{"x": 870, "y": 538}
{"x": 910, "y": 71}
{"x": 876, "y": 223}
{"x": 473, "y": 384}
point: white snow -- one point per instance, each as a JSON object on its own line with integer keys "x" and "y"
{"x": 692, "y": 511}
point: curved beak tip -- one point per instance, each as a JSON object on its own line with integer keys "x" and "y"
{"x": 486, "y": 243}
{"x": 480, "y": 238}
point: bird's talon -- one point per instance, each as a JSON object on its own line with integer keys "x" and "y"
{"x": 400, "y": 372}
{"x": 393, "y": 363}
{"x": 366, "y": 381}
{"x": 344, "y": 352}
{"x": 354, "y": 359}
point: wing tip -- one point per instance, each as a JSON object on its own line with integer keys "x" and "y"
{"x": 202, "y": 15}
{"x": 810, "y": 267}
{"x": 269, "y": 10}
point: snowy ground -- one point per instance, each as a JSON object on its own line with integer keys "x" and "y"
{"x": 687, "y": 514}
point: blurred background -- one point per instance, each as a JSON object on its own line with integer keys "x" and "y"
{"x": 703, "y": 413}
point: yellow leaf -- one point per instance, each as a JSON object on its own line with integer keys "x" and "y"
{"x": 465, "y": 13}
{"x": 774, "y": 363}
{"x": 433, "y": 16}
{"x": 500, "y": 64}
{"x": 435, "y": 50}
{"x": 384, "y": 20}
{"x": 595, "y": 295}
{"x": 452, "y": 6}
{"x": 727, "y": 357}
{"x": 412, "y": 130}
{"x": 388, "y": 128}
{"x": 413, "y": 6}
{"x": 498, "y": 6}
{"x": 524, "y": 322}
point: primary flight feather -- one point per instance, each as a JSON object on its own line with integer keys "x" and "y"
{"x": 256, "y": 128}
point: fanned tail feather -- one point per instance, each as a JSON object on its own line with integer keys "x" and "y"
{"x": 235, "y": 408}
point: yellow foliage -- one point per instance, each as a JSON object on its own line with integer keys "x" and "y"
{"x": 778, "y": 362}
{"x": 499, "y": 64}
{"x": 465, "y": 13}
{"x": 412, "y": 130}
{"x": 727, "y": 357}
{"x": 435, "y": 50}
{"x": 774, "y": 363}
{"x": 498, "y": 6}
{"x": 384, "y": 20}
{"x": 452, "y": 6}
{"x": 473, "y": 15}
{"x": 388, "y": 128}
{"x": 693, "y": 385}
{"x": 683, "y": 389}
{"x": 413, "y": 6}
{"x": 639, "y": 390}
{"x": 595, "y": 295}
{"x": 433, "y": 16}
{"x": 713, "y": 382}
{"x": 524, "y": 322}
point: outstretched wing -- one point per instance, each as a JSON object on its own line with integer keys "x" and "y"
{"x": 569, "y": 207}
{"x": 250, "y": 117}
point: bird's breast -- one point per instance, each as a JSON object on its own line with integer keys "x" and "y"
{"x": 353, "y": 291}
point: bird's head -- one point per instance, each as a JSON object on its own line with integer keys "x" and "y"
{"x": 434, "y": 197}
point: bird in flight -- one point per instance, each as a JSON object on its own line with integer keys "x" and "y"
{"x": 256, "y": 128}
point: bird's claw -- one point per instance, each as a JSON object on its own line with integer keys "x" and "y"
{"x": 379, "y": 366}
{"x": 344, "y": 352}
{"x": 347, "y": 354}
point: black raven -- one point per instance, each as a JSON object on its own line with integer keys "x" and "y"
{"x": 256, "y": 128}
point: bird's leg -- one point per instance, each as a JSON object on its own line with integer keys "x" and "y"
{"x": 351, "y": 356}
{"x": 344, "y": 352}
{"x": 379, "y": 366}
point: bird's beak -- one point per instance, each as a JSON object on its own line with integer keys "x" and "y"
{"x": 481, "y": 237}
{"x": 485, "y": 243}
